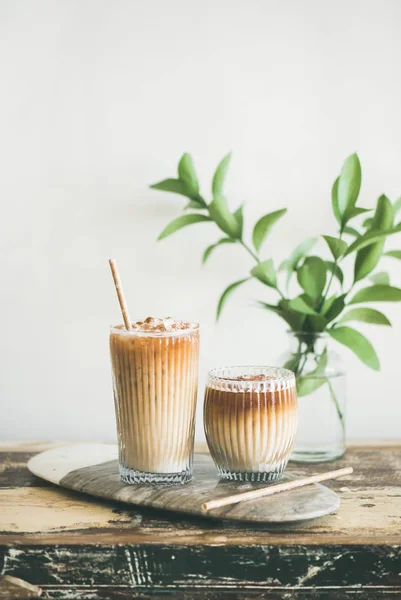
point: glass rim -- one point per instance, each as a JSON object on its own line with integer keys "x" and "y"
{"x": 120, "y": 330}
{"x": 316, "y": 334}
{"x": 283, "y": 374}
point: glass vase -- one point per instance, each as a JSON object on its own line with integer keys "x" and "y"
{"x": 321, "y": 377}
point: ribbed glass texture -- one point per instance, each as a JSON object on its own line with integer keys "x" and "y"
{"x": 250, "y": 424}
{"x": 155, "y": 382}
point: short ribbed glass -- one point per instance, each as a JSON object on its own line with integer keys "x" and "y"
{"x": 155, "y": 383}
{"x": 250, "y": 419}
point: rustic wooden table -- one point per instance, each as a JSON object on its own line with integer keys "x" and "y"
{"x": 73, "y": 546}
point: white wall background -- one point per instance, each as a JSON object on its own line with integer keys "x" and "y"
{"x": 99, "y": 99}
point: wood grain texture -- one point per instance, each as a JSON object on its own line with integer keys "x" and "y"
{"x": 88, "y": 469}
{"x": 12, "y": 587}
{"x": 160, "y": 567}
{"x": 74, "y": 546}
{"x": 309, "y": 593}
{"x": 370, "y": 511}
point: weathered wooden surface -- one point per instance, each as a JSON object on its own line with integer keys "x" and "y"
{"x": 12, "y": 587}
{"x": 35, "y": 511}
{"x": 88, "y": 468}
{"x": 74, "y": 546}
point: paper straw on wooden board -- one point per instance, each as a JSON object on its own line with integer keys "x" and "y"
{"x": 120, "y": 294}
{"x": 275, "y": 489}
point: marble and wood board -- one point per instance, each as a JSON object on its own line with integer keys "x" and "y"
{"x": 93, "y": 469}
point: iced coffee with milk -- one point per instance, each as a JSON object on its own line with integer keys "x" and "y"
{"x": 250, "y": 419}
{"x": 155, "y": 382}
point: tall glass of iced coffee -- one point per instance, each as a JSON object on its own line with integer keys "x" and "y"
{"x": 155, "y": 382}
{"x": 250, "y": 419}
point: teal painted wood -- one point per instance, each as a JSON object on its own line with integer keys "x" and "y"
{"x": 161, "y": 567}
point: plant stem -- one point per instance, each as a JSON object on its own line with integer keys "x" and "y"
{"x": 299, "y": 356}
{"x": 331, "y": 278}
{"x": 248, "y": 249}
{"x": 304, "y": 358}
{"x": 338, "y": 409}
{"x": 254, "y": 256}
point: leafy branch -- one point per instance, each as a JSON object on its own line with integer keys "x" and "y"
{"x": 321, "y": 304}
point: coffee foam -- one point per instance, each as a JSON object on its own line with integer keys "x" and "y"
{"x": 163, "y": 324}
{"x": 256, "y": 377}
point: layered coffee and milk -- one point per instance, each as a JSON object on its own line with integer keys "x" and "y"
{"x": 155, "y": 381}
{"x": 250, "y": 419}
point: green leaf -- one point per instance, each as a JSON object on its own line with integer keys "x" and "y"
{"x": 294, "y": 319}
{"x": 225, "y": 220}
{"x": 365, "y": 315}
{"x": 312, "y": 276}
{"x": 382, "y": 278}
{"x": 397, "y": 205}
{"x": 367, "y": 258}
{"x": 182, "y": 221}
{"x": 293, "y": 363}
{"x": 186, "y": 173}
{"x": 266, "y": 305}
{"x": 172, "y": 185}
{"x": 334, "y": 201}
{"x": 370, "y": 238}
{"x": 349, "y": 183}
{"x": 307, "y": 385}
{"x": 296, "y": 256}
{"x": 336, "y": 270}
{"x": 335, "y": 309}
{"x": 328, "y": 303}
{"x": 315, "y": 323}
{"x": 299, "y": 305}
{"x": 358, "y": 343}
{"x": 220, "y": 175}
{"x": 367, "y": 223}
{"x": 195, "y": 205}
{"x": 315, "y": 379}
{"x": 377, "y": 293}
{"x": 300, "y": 251}
{"x": 239, "y": 217}
{"x": 354, "y": 211}
{"x": 393, "y": 254}
{"x": 266, "y": 273}
{"x": 210, "y": 249}
{"x": 337, "y": 247}
{"x": 227, "y": 292}
{"x": 264, "y": 226}
{"x": 352, "y": 231}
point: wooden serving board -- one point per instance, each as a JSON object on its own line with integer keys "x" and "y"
{"x": 93, "y": 469}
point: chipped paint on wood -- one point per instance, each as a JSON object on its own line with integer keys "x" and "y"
{"x": 311, "y": 593}
{"x": 11, "y": 587}
{"x": 202, "y": 566}
{"x": 82, "y": 548}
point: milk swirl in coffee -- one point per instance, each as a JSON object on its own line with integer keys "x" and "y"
{"x": 155, "y": 380}
{"x": 250, "y": 419}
